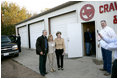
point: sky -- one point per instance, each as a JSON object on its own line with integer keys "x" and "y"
{"x": 35, "y": 6}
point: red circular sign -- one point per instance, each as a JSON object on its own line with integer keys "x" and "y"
{"x": 87, "y": 12}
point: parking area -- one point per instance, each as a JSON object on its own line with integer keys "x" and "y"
{"x": 84, "y": 67}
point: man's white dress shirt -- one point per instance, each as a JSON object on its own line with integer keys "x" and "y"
{"x": 108, "y": 32}
{"x": 109, "y": 41}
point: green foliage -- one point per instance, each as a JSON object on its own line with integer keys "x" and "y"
{"x": 10, "y": 15}
{"x": 8, "y": 30}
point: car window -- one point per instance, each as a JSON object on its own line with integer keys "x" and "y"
{"x": 5, "y": 39}
{"x": 13, "y": 39}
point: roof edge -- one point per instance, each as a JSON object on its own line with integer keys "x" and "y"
{"x": 50, "y": 10}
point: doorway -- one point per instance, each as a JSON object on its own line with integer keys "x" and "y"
{"x": 91, "y": 26}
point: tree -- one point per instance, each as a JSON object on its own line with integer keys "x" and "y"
{"x": 11, "y": 14}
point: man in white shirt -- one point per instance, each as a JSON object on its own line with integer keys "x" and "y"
{"x": 107, "y": 54}
{"x": 111, "y": 44}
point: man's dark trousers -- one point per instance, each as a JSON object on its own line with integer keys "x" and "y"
{"x": 107, "y": 60}
{"x": 42, "y": 63}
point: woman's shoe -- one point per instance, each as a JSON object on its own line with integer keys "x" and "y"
{"x": 53, "y": 69}
{"x": 62, "y": 68}
{"x": 59, "y": 68}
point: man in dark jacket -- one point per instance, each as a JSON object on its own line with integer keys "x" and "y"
{"x": 42, "y": 50}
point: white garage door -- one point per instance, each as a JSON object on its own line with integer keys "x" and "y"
{"x": 23, "y": 31}
{"x": 60, "y": 24}
{"x": 35, "y": 32}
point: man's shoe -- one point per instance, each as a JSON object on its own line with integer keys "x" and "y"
{"x": 43, "y": 74}
{"x": 107, "y": 74}
{"x": 102, "y": 69}
{"x": 46, "y": 72}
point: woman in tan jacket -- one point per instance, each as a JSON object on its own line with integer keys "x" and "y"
{"x": 60, "y": 50}
{"x": 51, "y": 53}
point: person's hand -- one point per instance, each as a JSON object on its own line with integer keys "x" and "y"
{"x": 41, "y": 53}
{"x": 63, "y": 53}
{"x": 100, "y": 35}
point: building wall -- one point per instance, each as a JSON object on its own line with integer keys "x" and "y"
{"x": 108, "y": 16}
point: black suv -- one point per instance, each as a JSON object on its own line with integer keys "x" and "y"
{"x": 8, "y": 48}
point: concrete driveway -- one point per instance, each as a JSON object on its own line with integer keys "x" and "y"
{"x": 12, "y": 69}
{"x": 73, "y": 68}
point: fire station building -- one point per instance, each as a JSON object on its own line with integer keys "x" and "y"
{"x": 71, "y": 18}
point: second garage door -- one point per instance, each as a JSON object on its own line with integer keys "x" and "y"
{"x": 23, "y": 31}
{"x": 35, "y": 32}
{"x": 60, "y": 24}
